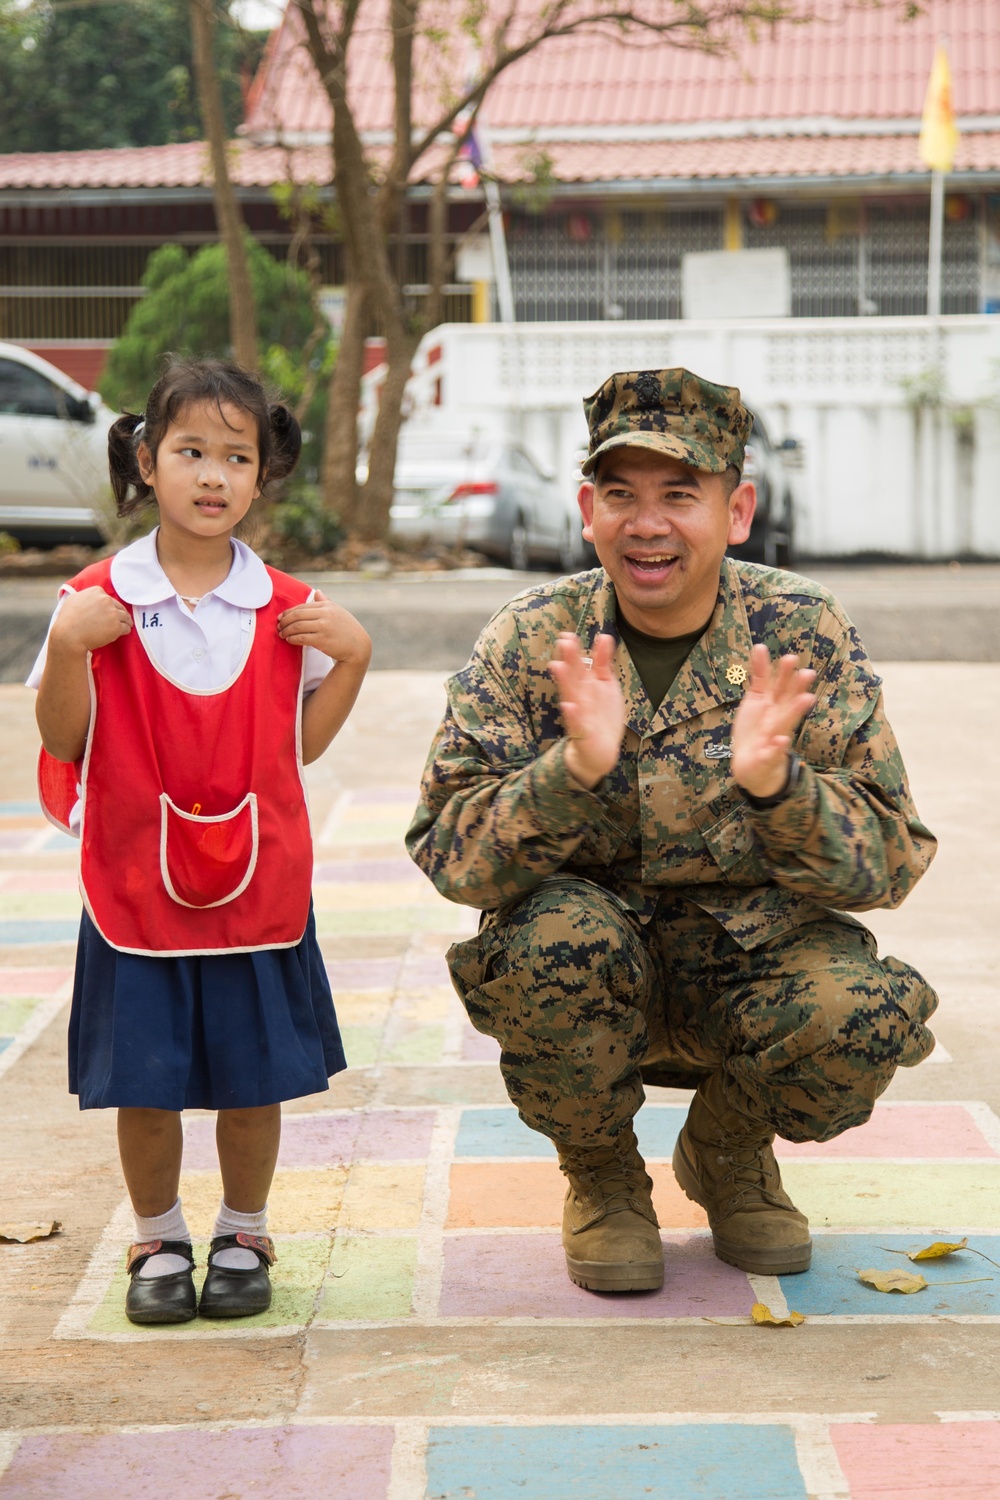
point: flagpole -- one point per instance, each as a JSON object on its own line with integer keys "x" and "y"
{"x": 498, "y": 238}
{"x": 936, "y": 239}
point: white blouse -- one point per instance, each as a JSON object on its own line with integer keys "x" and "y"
{"x": 199, "y": 646}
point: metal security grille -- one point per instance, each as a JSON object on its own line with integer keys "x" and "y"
{"x": 588, "y": 265}
{"x": 823, "y": 260}
{"x": 896, "y": 243}
{"x": 645, "y": 270}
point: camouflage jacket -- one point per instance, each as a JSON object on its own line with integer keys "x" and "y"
{"x": 499, "y": 812}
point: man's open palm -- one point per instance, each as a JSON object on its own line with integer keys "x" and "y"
{"x": 777, "y": 699}
{"x": 592, "y": 706}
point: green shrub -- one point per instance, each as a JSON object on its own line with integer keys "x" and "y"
{"x": 302, "y": 522}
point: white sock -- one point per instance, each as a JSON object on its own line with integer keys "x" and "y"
{"x": 230, "y": 1222}
{"x": 168, "y": 1226}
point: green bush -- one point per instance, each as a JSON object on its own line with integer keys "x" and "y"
{"x": 301, "y": 522}
{"x": 186, "y": 311}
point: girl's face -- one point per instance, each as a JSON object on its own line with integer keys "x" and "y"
{"x": 207, "y": 470}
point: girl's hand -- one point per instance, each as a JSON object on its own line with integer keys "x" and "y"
{"x": 328, "y": 627}
{"x": 87, "y": 621}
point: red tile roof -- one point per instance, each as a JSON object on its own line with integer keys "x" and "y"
{"x": 837, "y": 98}
{"x": 856, "y": 62}
{"x": 583, "y": 162}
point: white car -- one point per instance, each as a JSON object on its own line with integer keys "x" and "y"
{"x": 482, "y": 491}
{"x": 53, "y": 452}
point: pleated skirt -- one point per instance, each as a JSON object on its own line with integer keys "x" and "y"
{"x": 224, "y": 1031}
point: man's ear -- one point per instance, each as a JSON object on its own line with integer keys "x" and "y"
{"x": 742, "y": 504}
{"x": 585, "y": 500}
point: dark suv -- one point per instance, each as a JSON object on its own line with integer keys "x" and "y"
{"x": 771, "y": 538}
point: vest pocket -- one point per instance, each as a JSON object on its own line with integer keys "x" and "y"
{"x": 207, "y": 861}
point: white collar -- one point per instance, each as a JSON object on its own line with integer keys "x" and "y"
{"x": 138, "y": 578}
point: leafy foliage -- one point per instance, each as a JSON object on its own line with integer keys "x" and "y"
{"x": 303, "y": 523}
{"x": 106, "y": 75}
{"x": 186, "y": 311}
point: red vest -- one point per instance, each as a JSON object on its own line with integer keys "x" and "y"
{"x": 195, "y": 835}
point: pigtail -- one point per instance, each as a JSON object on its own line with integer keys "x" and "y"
{"x": 128, "y": 486}
{"x": 285, "y": 442}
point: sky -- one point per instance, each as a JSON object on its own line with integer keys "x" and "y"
{"x": 259, "y": 15}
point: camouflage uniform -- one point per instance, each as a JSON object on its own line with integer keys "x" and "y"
{"x": 660, "y": 927}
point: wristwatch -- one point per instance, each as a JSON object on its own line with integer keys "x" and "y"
{"x": 760, "y": 804}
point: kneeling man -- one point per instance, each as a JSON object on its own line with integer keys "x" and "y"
{"x": 666, "y": 783}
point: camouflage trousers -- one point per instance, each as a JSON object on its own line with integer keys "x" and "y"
{"x": 586, "y": 1003}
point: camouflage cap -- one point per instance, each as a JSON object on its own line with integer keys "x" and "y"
{"x": 670, "y": 411}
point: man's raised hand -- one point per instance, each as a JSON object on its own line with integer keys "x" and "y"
{"x": 592, "y": 707}
{"x": 776, "y": 701}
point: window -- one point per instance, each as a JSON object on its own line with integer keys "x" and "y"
{"x": 26, "y": 393}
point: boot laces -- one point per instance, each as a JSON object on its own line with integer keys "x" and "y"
{"x": 747, "y": 1175}
{"x": 616, "y": 1177}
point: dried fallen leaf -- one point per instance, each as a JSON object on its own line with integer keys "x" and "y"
{"x": 762, "y": 1315}
{"x": 23, "y": 1234}
{"x": 938, "y": 1250}
{"x": 893, "y": 1281}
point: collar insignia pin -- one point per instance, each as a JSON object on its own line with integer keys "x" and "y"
{"x": 736, "y": 675}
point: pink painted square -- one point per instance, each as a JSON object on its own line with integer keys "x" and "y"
{"x": 479, "y": 1048}
{"x": 328, "y": 1140}
{"x": 286, "y": 1463}
{"x": 38, "y": 983}
{"x": 901, "y": 1132}
{"x": 524, "y": 1276}
{"x": 911, "y": 1461}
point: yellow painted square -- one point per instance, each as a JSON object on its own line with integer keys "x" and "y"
{"x": 299, "y": 1201}
{"x": 383, "y": 1197}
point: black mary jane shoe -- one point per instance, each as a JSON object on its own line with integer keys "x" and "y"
{"x": 160, "y": 1299}
{"x": 229, "y": 1293}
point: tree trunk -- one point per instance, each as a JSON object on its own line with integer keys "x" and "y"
{"x": 242, "y": 309}
{"x": 340, "y": 444}
{"x": 375, "y": 499}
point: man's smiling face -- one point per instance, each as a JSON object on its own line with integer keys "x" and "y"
{"x": 660, "y": 530}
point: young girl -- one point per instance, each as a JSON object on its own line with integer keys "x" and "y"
{"x": 182, "y": 686}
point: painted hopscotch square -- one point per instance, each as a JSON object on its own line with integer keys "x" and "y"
{"x": 368, "y": 1195}
{"x": 296, "y": 1279}
{"x": 907, "y": 1461}
{"x": 326, "y": 1140}
{"x": 529, "y": 1195}
{"x": 876, "y": 1194}
{"x": 370, "y": 1279}
{"x": 894, "y": 1132}
{"x": 524, "y": 1276}
{"x": 292, "y": 1463}
{"x": 696, "y": 1462}
{"x": 831, "y": 1285}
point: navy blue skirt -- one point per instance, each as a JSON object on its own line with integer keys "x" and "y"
{"x": 226, "y": 1031}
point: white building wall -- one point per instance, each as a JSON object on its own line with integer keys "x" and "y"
{"x": 881, "y": 471}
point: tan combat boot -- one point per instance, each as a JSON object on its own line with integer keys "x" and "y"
{"x": 610, "y": 1231}
{"x": 723, "y": 1160}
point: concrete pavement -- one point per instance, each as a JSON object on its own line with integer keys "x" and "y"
{"x": 424, "y": 1343}
{"x": 429, "y": 621}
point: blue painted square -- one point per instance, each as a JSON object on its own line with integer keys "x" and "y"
{"x": 5, "y": 1042}
{"x": 831, "y": 1285}
{"x": 20, "y": 810}
{"x": 29, "y": 931}
{"x": 499, "y": 1132}
{"x": 57, "y": 840}
{"x": 706, "y": 1461}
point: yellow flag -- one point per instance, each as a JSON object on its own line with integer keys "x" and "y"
{"x": 938, "y": 131}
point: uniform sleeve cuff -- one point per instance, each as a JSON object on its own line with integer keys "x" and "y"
{"x": 562, "y": 804}
{"x": 786, "y": 823}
